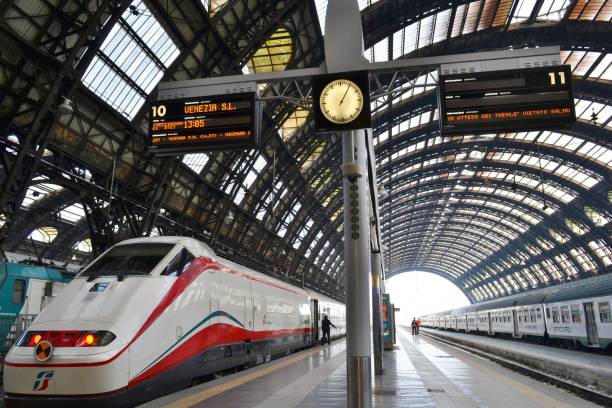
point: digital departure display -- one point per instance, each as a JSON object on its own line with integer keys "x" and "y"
{"x": 203, "y": 123}
{"x": 506, "y": 101}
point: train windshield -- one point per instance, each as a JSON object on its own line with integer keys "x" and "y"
{"x": 129, "y": 260}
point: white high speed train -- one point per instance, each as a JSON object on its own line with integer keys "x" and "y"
{"x": 148, "y": 317}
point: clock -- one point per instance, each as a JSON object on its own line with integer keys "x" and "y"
{"x": 341, "y": 101}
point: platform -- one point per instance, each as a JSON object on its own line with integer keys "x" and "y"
{"x": 419, "y": 372}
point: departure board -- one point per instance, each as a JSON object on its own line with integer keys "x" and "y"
{"x": 506, "y": 101}
{"x": 203, "y": 123}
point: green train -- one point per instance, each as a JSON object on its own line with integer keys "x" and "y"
{"x": 24, "y": 291}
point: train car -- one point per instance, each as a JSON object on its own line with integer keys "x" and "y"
{"x": 572, "y": 314}
{"x": 150, "y": 316}
{"x": 528, "y": 312}
{"x": 581, "y": 314}
{"x": 25, "y": 290}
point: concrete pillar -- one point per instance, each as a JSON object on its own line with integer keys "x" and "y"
{"x": 357, "y": 267}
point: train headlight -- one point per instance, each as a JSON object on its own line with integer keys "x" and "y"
{"x": 30, "y": 339}
{"x": 98, "y": 338}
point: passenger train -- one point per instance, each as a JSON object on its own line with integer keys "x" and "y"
{"x": 150, "y": 316}
{"x": 571, "y": 314}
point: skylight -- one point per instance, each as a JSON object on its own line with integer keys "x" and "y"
{"x": 196, "y": 161}
{"x": 72, "y": 213}
{"x": 131, "y": 60}
{"x": 38, "y": 192}
{"x": 44, "y": 234}
{"x": 83, "y": 246}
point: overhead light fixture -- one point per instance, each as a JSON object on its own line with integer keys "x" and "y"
{"x": 65, "y": 108}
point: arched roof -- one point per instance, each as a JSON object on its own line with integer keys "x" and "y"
{"x": 495, "y": 214}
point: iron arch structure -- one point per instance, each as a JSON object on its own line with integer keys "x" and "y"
{"x": 495, "y": 214}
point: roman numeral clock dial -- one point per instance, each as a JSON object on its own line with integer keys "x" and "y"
{"x": 341, "y": 101}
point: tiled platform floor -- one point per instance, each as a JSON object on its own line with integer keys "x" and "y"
{"x": 418, "y": 373}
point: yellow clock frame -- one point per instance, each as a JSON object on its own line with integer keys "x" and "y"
{"x": 341, "y": 101}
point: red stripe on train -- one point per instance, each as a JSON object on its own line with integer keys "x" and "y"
{"x": 208, "y": 337}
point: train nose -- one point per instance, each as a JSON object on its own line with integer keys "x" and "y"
{"x": 49, "y": 361}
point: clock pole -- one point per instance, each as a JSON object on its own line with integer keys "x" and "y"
{"x": 344, "y": 51}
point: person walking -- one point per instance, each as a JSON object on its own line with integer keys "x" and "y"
{"x": 326, "y": 325}
{"x": 414, "y": 326}
{"x": 418, "y": 325}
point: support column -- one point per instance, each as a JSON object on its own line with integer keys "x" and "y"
{"x": 376, "y": 313}
{"x": 357, "y": 267}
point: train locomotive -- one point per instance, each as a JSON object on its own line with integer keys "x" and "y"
{"x": 574, "y": 314}
{"x": 149, "y": 316}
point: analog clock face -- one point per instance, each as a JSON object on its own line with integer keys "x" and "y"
{"x": 341, "y": 101}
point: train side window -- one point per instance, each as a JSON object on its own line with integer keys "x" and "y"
{"x": 179, "y": 263}
{"x": 565, "y": 314}
{"x": 532, "y": 315}
{"x": 555, "y": 313}
{"x": 576, "y": 314}
{"x": 18, "y": 291}
{"x": 548, "y": 312}
{"x": 604, "y": 312}
{"x": 539, "y": 313}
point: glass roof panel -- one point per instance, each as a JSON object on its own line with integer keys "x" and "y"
{"x": 131, "y": 61}
{"x": 293, "y": 123}
{"x": 196, "y": 161}
{"x": 274, "y": 54}
{"x": 83, "y": 246}
{"x": 523, "y": 10}
{"x": 38, "y": 192}
{"x": 44, "y": 234}
{"x": 72, "y": 213}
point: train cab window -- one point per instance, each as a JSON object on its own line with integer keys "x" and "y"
{"x": 18, "y": 291}
{"x": 565, "y": 314}
{"x": 128, "y": 260}
{"x": 576, "y": 314}
{"x": 179, "y": 263}
{"x": 604, "y": 312}
{"x": 555, "y": 314}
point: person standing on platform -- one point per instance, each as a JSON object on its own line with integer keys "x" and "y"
{"x": 418, "y": 325}
{"x": 326, "y": 325}
{"x": 414, "y": 326}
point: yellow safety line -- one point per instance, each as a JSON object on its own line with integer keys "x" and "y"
{"x": 211, "y": 392}
{"x": 526, "y": 390}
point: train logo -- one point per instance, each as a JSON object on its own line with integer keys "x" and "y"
{"x": 43, "y": 351}
{"x": 42, "y": 380}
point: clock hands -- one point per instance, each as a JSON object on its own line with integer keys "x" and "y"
{"x": 347, "y": 89}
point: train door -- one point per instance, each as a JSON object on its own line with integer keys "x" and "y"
{"x": 591, "y": 327}
{"x": 489, "y": 322}
{"x": 515, "y": 323}
{"x": 314, "y": 307}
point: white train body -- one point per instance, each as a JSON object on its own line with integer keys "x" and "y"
{"x": 192, "y": 314}
{"x": 575, "y": 312}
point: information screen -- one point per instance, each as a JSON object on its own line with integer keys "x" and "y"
{"x": 506, "y": 101}
{"x": 203, "y": 123}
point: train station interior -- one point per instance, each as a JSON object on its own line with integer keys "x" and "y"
{"x": 183, "y": 212}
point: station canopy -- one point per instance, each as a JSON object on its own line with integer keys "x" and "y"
{"x": 495, "y": 214}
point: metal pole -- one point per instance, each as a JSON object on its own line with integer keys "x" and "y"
{"x": 377, "y": 266}
{"x": 357, "y": 267}
{"x": 376, "y": 313}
